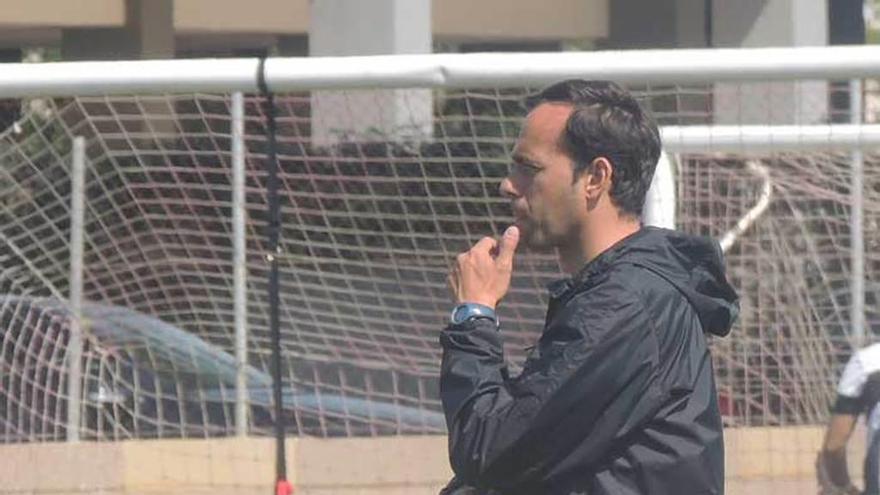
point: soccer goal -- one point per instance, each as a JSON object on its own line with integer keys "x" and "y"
{"x": 135, "y": 267}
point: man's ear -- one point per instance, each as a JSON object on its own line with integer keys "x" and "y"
{"x": 597, "y": 178}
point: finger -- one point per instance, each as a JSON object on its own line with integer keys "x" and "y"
{"x": 453, "y": 279}
{"x": 452, "y": 287}
{"x": 454, "y": 270}
{"x": 507, "y": 247}
{"x": 485, "y": 245}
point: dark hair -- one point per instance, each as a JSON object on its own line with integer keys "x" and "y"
{"x": 608, "y": 122}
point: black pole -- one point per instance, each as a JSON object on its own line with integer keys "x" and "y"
{"x": 282, "y": 487}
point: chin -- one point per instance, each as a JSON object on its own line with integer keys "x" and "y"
{"x": 540, "y": 247}
{"x": 532, "y": 240}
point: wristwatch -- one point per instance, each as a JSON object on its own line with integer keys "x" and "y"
{"x": 468, "y": 311}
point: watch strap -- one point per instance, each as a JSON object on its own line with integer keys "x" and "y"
{"x": 468, "y": 311}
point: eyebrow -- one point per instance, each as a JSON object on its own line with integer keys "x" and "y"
{"x": 522, "y": 159}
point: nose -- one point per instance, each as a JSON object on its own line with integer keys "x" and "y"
{"x": 507, "y": 189}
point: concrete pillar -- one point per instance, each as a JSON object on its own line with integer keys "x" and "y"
{"x": 376, "y": 27}
{"x": 10, "y": 109}
{"x": 148, "y": 34}
{"x": 638, "y": 24}
{"x": 846, "y": 26}
{"x": 766, "y": 23}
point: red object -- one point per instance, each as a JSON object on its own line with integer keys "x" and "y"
{"x": 726, "y": 405}
{"x": 283, "y": 487}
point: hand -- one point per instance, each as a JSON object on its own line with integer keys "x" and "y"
{"x": 482, "y": 275}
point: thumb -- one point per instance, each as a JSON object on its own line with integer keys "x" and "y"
{"x": 507, "y": 246}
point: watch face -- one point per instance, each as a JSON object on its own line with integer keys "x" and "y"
{"x": 466, "y": 311}
{"x": 459, "y": 314}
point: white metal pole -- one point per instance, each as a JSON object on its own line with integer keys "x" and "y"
{"x": 751, "y": 140}
{"x": 675, "y": 66}
{"x": 75, "y": 346}
{"x": 660, "y": 200}
{"x": 857, "y": 285}
{"x": 441, "y": 70}
{"x": 239, "y": 264}
{"x": 757, "y": 169}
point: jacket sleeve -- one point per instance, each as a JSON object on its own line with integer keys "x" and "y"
{"x": 594, "y": 383}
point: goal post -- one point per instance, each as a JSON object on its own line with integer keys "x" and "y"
{"x": 479, "y": 70}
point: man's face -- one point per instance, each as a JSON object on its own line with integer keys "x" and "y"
{"x": 546, "y": 202}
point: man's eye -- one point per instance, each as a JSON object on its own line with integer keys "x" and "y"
{"x": 525, "y": 169}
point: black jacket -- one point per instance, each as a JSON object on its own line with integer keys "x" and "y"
{"x": 618, "y": 396}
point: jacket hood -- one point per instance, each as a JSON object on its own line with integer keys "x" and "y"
{"x": 692, "y": 264}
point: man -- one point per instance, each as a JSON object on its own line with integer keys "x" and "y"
{"x": 858, "y": 391}
{"x": 618, "y": 396}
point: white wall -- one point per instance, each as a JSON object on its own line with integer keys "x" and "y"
{"x": 762, "y": 23}
{"x": 356, "y": 27}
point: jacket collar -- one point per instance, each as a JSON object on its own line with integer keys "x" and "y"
{"x": 596, "y": 266}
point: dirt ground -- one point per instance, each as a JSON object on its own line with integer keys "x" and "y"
{"x": 772, "y": 487}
